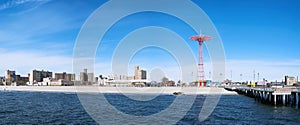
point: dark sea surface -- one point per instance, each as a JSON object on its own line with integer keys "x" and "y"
{"x": 65, "y": 108}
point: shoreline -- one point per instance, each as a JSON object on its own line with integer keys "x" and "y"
{"x": 124, "y": 90}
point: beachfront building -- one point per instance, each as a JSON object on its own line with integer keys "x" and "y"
{"x": 121, "y": 77}
{"x": 10, "y": 77}
{"x": 86, "y": 77}
{"x": 51, "y": 82}
{"x": 20, "y": 80}
{"x": 2, "y": 79}
{"x": 37, "y": 76}
{"x": 65, "y": 76}
{"x": 139, "y": 74}
{"x": 290, "y": 80}
{"x": 139, "y": 79}
{"x": 91, "y": 77}
{"x": 102, "y": 80}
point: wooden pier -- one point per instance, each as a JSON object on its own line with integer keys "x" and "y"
{"x": 295, "y": 95}
{"x": 273, "y": 96}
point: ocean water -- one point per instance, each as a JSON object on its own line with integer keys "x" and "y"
{"x": 65, "y": 108}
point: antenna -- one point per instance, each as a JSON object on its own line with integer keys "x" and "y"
{"x": 230, "y": 74}
{"x": 253, "y": 75}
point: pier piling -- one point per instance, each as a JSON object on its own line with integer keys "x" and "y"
{"x": 283, "y": 99}
{"x": 297, "y": 100}
{"x": 281, "y": 96}
{"x": 275, "y": 99}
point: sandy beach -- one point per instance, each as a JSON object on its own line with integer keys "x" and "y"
{"x": 127, "y": 90}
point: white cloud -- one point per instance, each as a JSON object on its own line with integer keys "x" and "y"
{"x": 23, "y": 62}
{"x": 14, "y": 3}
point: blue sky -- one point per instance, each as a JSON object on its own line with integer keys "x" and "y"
{"x": 257, "y": 35}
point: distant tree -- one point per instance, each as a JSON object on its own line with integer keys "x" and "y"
{"x": 179, "y": 83}
{"x": 171, "y": 83}
{"x": 164, "y": 81}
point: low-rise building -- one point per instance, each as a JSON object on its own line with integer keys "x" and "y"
{"x": 52, "y": 82}
{"x": 2, "y": 79}
{"x": 21, "y": 80}
{"x": 290, "y": 80}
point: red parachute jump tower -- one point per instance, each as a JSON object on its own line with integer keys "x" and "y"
{"x": 200, "y": 71}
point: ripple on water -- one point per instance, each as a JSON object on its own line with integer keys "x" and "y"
{"x": 65, "y": 108}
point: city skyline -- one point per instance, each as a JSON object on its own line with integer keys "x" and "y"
{"x": 40, "y": 34}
